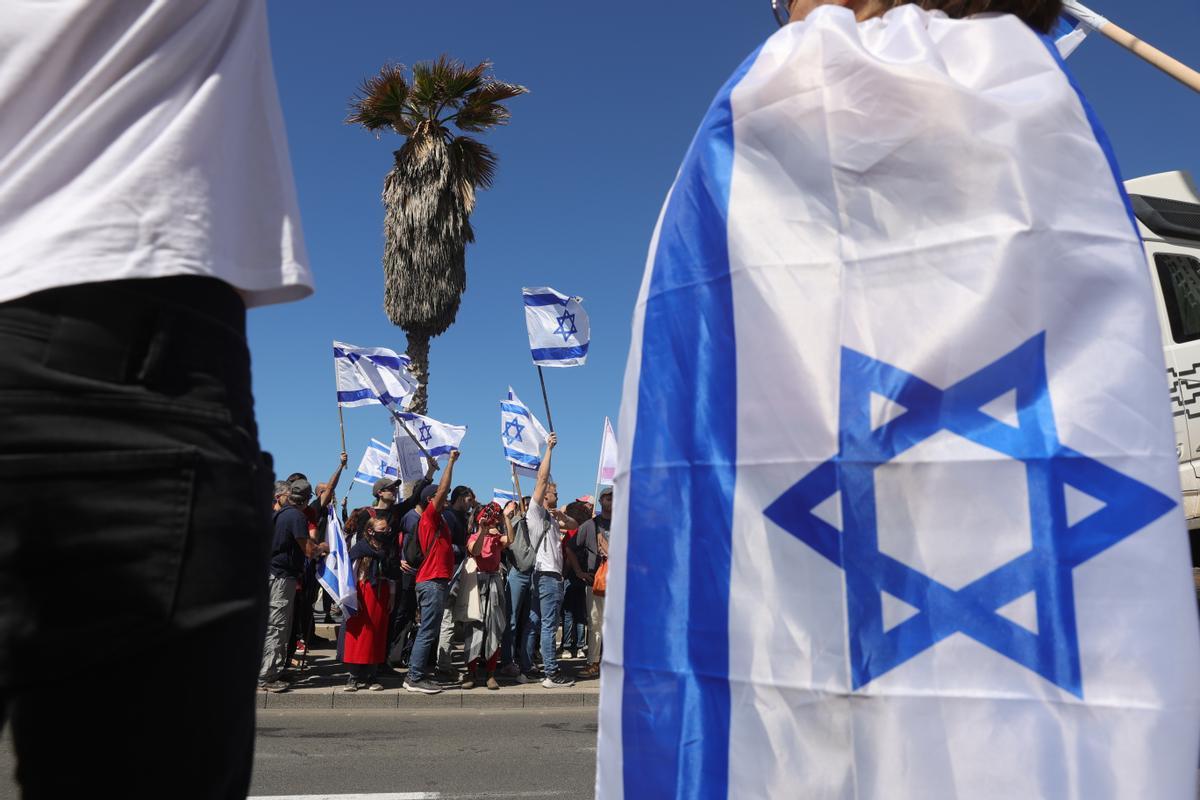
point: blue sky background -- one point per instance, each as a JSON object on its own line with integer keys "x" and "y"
{"x": 616, "y": 91}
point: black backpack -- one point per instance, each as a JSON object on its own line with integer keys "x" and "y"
{"x": 413, "y": 554}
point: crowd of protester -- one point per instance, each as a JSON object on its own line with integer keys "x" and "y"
{"x": 436, "y": 567}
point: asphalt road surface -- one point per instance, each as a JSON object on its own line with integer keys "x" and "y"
{"x": 414, "y": 755}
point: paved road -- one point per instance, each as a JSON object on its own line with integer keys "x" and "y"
{"x": 487, "y": 754}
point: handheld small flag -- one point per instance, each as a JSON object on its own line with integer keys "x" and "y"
{"x": 558, "y": 327}
{"x": 608, "y": 456}
{"x": 379, "y": 461}
{"x": 500, "y": 497}
{"x": 521, "y": 435}
{"x": 335, "y": 574}
{"x": 370, "y": 375}
{"x": 438, "y": 438}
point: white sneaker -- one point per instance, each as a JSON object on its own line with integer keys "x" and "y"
{"x": 557, "y": 682}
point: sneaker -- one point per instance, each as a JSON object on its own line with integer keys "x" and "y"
{"x": 590, "y": 671}
{"x": 424, "y": 686}
{"x": 351, "y": 686}
{"x": 491, "y": 682}
{"x": 275, "y": 686}
{"x": 509, "y": 671}
{"x": 557, "y": 681}
{"x": 375, "y": 687}
{"x": 469, "y": 683}
{"x": 526, "y": 677}
{"x": 286, "y": 677}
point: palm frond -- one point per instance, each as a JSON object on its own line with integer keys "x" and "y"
{"x": 480, "y": 117}
{"x": 473, "y": 162}
{"x": 496, "y": 91}
{"x": 382, "y": 101}
{"x": 455, "y": 80}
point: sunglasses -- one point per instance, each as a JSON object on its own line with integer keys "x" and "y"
{"x": 782, "y": 9}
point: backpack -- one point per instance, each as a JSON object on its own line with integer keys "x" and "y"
{"x": 524, "y": 551}
{"x": 413, "y": 553}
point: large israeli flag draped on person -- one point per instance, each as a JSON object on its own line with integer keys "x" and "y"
{"x": 378, "y": 461}
{"x": 335, "y": 573}
{"x": 438, "y": 438}
{"x": 521, "y": 434}
{"x": 558, "y": 327}
{"x": 370, "y": 375}
{"x": 896, "y": 509}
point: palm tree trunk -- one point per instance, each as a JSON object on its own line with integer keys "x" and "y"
{"x": 418, "y": 351}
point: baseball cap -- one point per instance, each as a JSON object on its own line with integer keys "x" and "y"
{"x": 587, "y": 498}
{"x": 606, "y": 490}
{"x": 428, "y": 492}
{"x": 382, "y": 484}
{"x": 300, "y": 489}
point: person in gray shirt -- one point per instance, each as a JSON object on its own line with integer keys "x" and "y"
{"x": 591, "y": 549}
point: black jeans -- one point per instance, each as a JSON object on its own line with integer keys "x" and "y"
{"x": 134, "y": 529}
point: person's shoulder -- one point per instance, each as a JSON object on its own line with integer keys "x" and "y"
{"x": 537, "y": 511}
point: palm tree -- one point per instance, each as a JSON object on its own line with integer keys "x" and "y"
{"x": 429, "y": 194}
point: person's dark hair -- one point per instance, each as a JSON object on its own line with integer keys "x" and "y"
{"x": 578, "y": 511}
{"x": 459, "y": 493}
{"x": 1038, "y": 14}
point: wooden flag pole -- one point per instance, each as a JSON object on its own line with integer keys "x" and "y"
{"x": 545, "y": 399}
{"x": 1152, "y": 55}
{"x": 416, "y": 441}
{"x": 517, "y": 486}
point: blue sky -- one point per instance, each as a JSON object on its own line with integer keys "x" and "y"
{"x": 616, "y": 91}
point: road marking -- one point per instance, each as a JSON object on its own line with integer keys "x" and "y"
{"x": 410, "y": 796}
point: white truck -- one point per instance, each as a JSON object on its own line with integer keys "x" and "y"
{"x": 1167, "y": 207}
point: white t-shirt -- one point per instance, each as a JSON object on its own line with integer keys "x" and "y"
{"x": 144, "y": 139}
{"x": 549, "y": 552}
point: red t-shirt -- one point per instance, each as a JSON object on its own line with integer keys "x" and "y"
{"x": 488, "y": 559}
{"x": 434, "y": 535}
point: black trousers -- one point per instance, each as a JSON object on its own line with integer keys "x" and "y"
{"x": 134, "y": 529}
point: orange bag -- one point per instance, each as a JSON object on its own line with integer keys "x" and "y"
{"x": 600, "y": 580}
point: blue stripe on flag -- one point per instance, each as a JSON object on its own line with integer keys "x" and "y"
{"x": 556, "y": 353}
{"x": 675, "y": 696}
{"x": 358, "y": 394}
{"x": 513, "y": 455}
{"x": 1097, "y": 131}
{"x": 512, "y": 408}
{"x": 391, "y": 362}
{"x": 544, "y": 300}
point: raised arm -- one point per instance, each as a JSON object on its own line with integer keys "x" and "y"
{"x": 443, "y": 490}
{"x": 325, "y": 496}
{"x": 543, "y": 476}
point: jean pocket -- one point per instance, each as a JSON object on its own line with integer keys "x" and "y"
{"x": 92, "y": 546}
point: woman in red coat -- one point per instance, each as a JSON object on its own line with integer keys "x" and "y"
{"x": 366, "y": 632}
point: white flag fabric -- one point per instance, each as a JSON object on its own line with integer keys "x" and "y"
{"x": 379, "y": 461}
{"x": 502, "y": 496}
{"x": 438, "y": 438}
{"x": 607, "y": 469}
{"x": 558, "y": 327}
{"x": 335, "y": 574}
{"x": 521, "y": 435}
{"x": 1075, "y": 23}
{"x": 896, "y": 470}
{"x": 370, "y": 375}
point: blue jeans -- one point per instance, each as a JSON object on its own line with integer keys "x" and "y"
{"x": 574, "y": 615}
{"x": 546, "y": 594}
{"x": 518, "y": 610}
{"x": 431, "y": 596}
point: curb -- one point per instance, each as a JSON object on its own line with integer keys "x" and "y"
{"x": 400, "y": 699}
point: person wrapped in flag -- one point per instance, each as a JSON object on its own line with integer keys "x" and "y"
{"x": 364, "y": 647}
{"x": 896, "y": 500}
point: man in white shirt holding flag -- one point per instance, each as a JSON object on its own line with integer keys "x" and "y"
{"x": 897, "y": 508}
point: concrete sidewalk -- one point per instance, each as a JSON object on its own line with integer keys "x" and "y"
{"x": 322, "y": 682}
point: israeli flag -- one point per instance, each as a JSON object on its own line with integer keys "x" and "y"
{"x": 558, "y": 327}
{"x": 897, "y": 510}
{"x": 334, "y": 573}
{"x": 521, "y": 435}
{"x": 370, "y": 375}
{"x": 1076, "y": 22}
{"x": 438, "y": 438}
{"x": 500, "y": 497}
{"x": 379, "y": 461}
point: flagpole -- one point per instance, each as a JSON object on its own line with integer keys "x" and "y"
{"x": 545, "y": 398}
{"x": 1152, "y": 55}
{"x": 416, "y": 441}
{"x": 517, "y": 486}
{"x": 600, "y": 466}
{"x": 341, "y": 422}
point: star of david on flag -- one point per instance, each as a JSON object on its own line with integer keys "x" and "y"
{"x": 558, "y": 327}
{"x": 425, "y": 433}
{"x": 512, "y": 431}
{"x": 1058, "y": 543}
{"x": 438, "y": 438}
